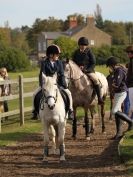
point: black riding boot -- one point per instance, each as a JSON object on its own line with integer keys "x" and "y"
{"x": 98, "y": 92}
{"x": 124, "y": 117}
{"x": 118, "y": 123}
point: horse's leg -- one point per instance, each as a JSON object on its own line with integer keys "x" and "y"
{"x": 102, "y": 117}
{"x": 74, "y": 125}
{"x": 86, "y": 120}
{"x": 61, "y": 134}
{"x": 53, "y": 135}
{"x": 46, "y": 142}
{"x": 92, "y": 112}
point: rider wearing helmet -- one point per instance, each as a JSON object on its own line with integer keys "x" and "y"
{"x": 50, "y": 66}
{"x": 85, "y": 59}
{"x": 120, "y": 93}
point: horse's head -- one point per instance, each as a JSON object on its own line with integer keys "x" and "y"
{"x": 50, "y": 90}
{"x": 74, "y": 75}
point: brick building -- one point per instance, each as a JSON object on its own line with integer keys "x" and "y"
{"x": 95, "y": 36}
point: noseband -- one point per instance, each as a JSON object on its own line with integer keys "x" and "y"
{"x": 45, "y": 99}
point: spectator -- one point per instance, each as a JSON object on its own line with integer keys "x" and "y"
{"x": 6, "y": 88}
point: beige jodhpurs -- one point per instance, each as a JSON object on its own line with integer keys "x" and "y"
{"x": 94, "y": 78}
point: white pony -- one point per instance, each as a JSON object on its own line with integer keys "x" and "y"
{"x": 53, "y": 115}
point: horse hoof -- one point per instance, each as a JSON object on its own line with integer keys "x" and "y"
{"x": 92, "y": 131}
{"x": 88, "y": 138}
{"x": 45, "y": 160}
{"x": 74, "y": 137}
{"x": 104, "y": 132}
{"x": 57, "y": 152}
{"x": 62, "y": 159}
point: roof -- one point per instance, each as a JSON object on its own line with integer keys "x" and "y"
{"x": 52, "y": 35}
{"x": 72, "y": 31}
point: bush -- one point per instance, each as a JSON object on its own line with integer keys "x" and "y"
{"x": 13, "y": 59}
{"x": 105, "y": 52}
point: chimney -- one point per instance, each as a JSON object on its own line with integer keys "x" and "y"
{"x": 90, "y": 20}
{"x": 72, "y": 22}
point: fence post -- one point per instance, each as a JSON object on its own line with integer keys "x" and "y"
{"x": 21, "y": 99}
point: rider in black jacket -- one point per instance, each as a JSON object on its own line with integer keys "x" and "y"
{"x": 50, "y": 66}
{"x": 85, "y": 59}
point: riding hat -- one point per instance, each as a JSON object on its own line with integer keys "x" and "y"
{"x": 111, "y": 61}
{"x": 83, "y": 41}
{"x": 129, "y": 48}
{"x": 53, "y": 49}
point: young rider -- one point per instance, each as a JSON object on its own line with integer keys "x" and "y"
{"x": 50, "y": 66}
{"x": 85, "y": 59}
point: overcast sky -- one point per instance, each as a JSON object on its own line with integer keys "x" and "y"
{"x": 24, "y": 12}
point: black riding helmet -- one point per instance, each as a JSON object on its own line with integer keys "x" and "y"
{"x": 83, "y": 41}
{"x": 111, "y": 61}
{"x": 53, "y": 49}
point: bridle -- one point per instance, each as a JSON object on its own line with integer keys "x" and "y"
{"x": 71, "y": 78}
{"x": 45, "y": 99}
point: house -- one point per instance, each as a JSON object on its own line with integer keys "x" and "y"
{"x": 95, "y": 36}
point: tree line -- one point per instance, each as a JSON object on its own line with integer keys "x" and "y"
{"x": 24, "y": 39}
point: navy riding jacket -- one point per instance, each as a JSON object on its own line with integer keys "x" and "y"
{"x": 86, "y": 59}
{"x": 49, "y": 70}
{"x": 119, "y": 80}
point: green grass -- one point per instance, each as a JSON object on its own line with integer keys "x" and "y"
{"x": 26, "y": 74}
{"x": 126, "y": 151}
{"x": 13, "y": 132}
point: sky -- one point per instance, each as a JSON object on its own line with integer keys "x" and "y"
{"x": 24, "y": 12}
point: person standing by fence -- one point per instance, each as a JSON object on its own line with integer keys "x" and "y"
{"x": 6, "y": 88}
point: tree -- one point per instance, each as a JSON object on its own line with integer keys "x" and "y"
{"x": 67, "y": 46}
{"x": 98, "y": 17}
{"x": 117, "y": 31}
{"x": 18, "y": 39}
{"x": 5, "y": 36}
{"x": 50, "y": 24}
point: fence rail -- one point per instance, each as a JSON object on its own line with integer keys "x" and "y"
{"x": 20, "y": 82}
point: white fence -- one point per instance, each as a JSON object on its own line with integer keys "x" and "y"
{"x": 21, "y": 95}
